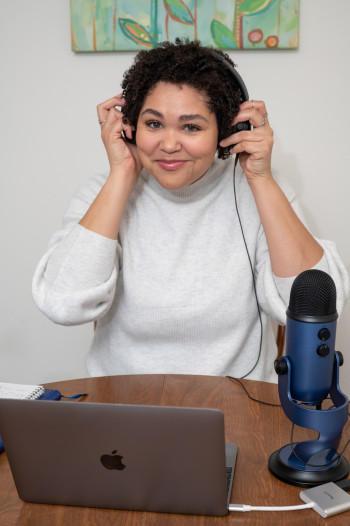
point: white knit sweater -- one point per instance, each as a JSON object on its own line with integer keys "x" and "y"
{"x": 175, "y": 293}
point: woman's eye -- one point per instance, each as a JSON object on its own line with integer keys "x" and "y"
{"x": 153, "y": 124}
{"x": 191, "y": 128}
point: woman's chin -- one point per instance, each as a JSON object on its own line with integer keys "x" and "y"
{"x": 171, "y": 183}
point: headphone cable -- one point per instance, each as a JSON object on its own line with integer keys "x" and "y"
{"x": 251, "y": 268}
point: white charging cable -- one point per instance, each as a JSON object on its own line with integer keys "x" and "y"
{"x": 246, "y": 507}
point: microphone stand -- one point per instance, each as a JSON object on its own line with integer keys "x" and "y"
{"x": 312, "y": 462}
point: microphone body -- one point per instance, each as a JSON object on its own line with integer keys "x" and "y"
{"x": 308, "y": 374}
{"x": 310, "y": 349}
{"x": 310, "y": 336}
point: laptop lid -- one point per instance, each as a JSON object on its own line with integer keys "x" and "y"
{"x": 147, "y": 458}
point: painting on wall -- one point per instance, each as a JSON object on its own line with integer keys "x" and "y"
{"x": 128, "y": 25}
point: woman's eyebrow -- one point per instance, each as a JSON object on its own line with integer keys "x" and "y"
{"x": 192, "y": 117}
{"x": 152, "y": 112}
{"x": 182, "y": 118}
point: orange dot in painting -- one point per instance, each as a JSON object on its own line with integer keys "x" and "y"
{"x": 255, "y": 36}
{"x": 271, "y": 41}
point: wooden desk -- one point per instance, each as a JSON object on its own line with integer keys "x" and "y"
{"x": 257, "y": 429}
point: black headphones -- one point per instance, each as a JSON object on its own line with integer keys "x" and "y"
{"x": 238, "y": 79}
{"x": 241, "y": 126}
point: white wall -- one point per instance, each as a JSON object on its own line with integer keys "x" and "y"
{"x": 50, "y": 143}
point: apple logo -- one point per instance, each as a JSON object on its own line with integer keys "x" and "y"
{"x": 112, "y": 461}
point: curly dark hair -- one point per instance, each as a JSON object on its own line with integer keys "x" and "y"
{"x": 184, "y": 62}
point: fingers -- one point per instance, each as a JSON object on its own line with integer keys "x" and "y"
{"x": 109, "y": 116}
{"x": 254, "y": 104}
{"x": 115, "y": 129}
{"x": 255, "y": 145}
{"x": 105, "y": 107}
{"x": 253, "y": 111}
{"x": 261, "y": 147}
{"x": 260, "y": 133}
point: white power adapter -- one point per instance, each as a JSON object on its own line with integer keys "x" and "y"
{"x": 328, "y": 499}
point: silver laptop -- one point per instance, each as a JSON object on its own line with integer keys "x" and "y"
{"x": 133, "y": 457}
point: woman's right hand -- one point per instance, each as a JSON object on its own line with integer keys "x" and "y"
{"x": 106, "y": 211}
{"x": 122, "y": 155}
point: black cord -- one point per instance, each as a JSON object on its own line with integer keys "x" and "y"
{"x": 249, "y": 395}
{"x": 251, "y": 268}
{"x": 343, "y": 484}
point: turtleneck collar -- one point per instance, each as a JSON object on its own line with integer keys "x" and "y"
{"x": 196, "y": 190}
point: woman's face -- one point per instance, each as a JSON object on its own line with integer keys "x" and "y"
{"x": 177, "y": 135}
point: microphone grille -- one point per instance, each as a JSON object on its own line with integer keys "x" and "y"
{"x": 313, "y": 293}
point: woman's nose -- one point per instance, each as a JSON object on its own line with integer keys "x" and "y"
{"x": 170, "y": 142}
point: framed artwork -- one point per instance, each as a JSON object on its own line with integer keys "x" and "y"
{"x": 131, "y": 25}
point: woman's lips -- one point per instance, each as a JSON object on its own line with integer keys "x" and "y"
{"x": 170, "y": 165}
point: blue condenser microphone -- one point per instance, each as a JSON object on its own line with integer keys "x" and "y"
{"x": 308, "y": 375}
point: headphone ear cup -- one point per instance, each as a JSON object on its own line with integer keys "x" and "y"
{"x": 241, "y": 126}
{"x": 133, "y": 139}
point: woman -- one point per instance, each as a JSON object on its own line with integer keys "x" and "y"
{"x": 158, "y": 252}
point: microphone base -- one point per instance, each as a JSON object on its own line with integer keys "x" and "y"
{"x": 306, "y": 476}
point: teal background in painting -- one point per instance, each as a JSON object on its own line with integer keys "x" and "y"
{"x": 268, "y": 21}
{"x": 109, "y": 35}
{"x": 138, "y": 11}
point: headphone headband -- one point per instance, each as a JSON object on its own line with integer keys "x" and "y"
{"x": 239, "y": 83}
{"x": 236, "y": 76}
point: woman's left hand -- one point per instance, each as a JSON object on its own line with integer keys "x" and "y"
{"x": 253, "y": 146}
{"x": 291, "y": 247}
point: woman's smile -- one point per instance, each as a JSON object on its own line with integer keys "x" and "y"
{"x": 171, "y": 165}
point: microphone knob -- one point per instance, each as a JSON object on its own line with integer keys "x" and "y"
{"x": 341, "y": 358}
{"x": 280, "y": 366}
{"x": 323, "y": 350}
{"x": 324, "y": 334}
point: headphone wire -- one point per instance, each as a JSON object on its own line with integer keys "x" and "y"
{"x": 251, "y": 268}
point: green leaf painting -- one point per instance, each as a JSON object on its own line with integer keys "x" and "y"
{"x": 130, "y": 25}
{"x": 179, "y": 11}
{"x": 135, "y": 32}
{"x": 248, "y": 7}
{"x": 223, "y": 37}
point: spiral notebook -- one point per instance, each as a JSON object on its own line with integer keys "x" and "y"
{"x": 21, "y": 391}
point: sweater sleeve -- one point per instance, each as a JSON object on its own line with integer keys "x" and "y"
{"x": 274, "y": 292}
{"x": 75, "y": 280}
